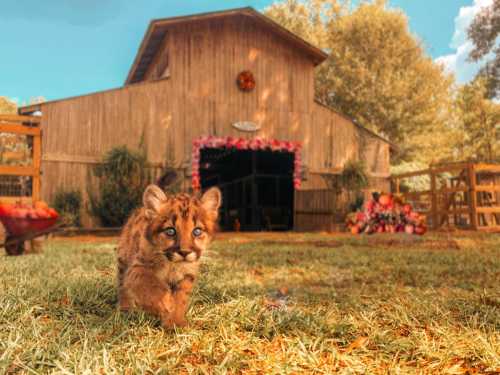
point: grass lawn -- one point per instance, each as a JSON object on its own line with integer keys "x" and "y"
{"x": 289, "y": 303}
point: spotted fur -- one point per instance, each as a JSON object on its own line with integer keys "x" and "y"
{"x": 159, "y": 252}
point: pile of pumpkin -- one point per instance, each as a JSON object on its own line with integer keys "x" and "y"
{"x": 385, "y": 213}
{"x": 19, "y": 210}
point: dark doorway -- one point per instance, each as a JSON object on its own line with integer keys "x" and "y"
{"x": 257, "y": 187}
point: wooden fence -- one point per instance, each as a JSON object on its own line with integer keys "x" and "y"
{"x": 25, "y": 126}
{"x": 464, "y": 195}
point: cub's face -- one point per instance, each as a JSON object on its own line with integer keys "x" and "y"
{"x": 180, "y": 227}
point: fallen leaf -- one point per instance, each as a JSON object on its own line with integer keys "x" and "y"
{"x": 356, "y": 344}
{"x": 283, "y": 291}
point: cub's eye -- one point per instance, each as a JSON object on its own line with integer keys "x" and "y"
{"x": 197, "y": 232}
{"x": 170, "y": 232}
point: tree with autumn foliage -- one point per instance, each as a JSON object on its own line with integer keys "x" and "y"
{"x": 483, "y": 32}
{"x": 7, "y": 106}
{"x": 377, "y": 72}
{"x": 478, "y": 124}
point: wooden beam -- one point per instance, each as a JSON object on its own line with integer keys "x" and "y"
{"x": 453, "y": 189}
{"x": 15, "y": 199}
{"x": 65, "y": 158}
{"x": 21, "y": 118}
{"x": 327, "y": 171}
{"x": 378, "y": 175}
{"x": 320, "y": 212}
{"x": 83, "y": 159}
{"x": 472, "y": 197}
{"x": 14, "y": 170}
{"x": 488, "y": 210}
{"x": 436, "y": 170}
{"x": 448, "y": 168}
{"x": 455, "y": 211}
{"x": 483, "y": 167}
{"x": 434, "y": 209}
{"x": 18, "y": 129}
{"x": 489, "y": 188}
{"x": 37, "y": 156}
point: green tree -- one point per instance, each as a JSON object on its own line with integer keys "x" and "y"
{"x": 478, "y": 123}
{"x": 483, "y": 32}
{"x": 377, "y": 72}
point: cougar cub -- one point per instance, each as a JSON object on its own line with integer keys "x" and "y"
{"x": 159, "y": 252}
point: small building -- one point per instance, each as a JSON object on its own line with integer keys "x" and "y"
{"x": 227, "y": 99}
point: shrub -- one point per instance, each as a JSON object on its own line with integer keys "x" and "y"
{"x": 353, "y": 180}
{"x": 68, "y": 204}
{"x": 349, "y": 185}
{"x": 122, "y": 178}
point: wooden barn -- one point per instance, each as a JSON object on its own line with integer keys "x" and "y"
{"x": 227, "y": 99}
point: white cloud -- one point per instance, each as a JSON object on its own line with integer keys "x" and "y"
{"x": 457, "y": 62}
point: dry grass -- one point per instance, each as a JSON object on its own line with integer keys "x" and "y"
{"x": 265, "y": 304}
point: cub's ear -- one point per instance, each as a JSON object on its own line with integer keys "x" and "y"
{"x": 211, "y": 200}
{"x": 152, "y": 199}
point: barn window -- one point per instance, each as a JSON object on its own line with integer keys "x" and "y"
{"x": 162, "y": 67}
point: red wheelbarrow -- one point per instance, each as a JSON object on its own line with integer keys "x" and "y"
{"x": 19, "y": 230}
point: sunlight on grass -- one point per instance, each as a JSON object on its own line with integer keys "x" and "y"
{"x": 307, "y": 304}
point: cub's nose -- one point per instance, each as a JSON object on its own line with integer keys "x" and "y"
{"x": 188, "y": 255}
{"x": 184, "y": 253}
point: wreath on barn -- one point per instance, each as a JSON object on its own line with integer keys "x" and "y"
{"x": 244, "y": 144}
{"x": 246, "y": 81}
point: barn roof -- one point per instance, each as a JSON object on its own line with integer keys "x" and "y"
{"x": 158, "y": 28}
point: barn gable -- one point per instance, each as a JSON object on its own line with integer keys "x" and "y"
{"x": 154, "y": 40}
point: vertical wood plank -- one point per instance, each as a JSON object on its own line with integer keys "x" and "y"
{"x": 37, "y": 157}
{"x": 472, "y": 196}
{"x": 434, "y": 208}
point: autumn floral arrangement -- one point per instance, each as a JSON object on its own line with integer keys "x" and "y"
{"x": 246, "y": 81}
{"x": 385, "y": 213}
{"x": 244, "y": 144}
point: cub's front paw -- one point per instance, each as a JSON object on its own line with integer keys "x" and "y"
{"x": 181, "y": 322}
{"x": 170, "y": 323}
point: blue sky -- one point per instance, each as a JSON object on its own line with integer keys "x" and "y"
{"x": 61, "y": 48}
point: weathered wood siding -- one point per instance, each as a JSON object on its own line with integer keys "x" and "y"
{"x": 205, "y": 58}
{"x": 319, "y": 210}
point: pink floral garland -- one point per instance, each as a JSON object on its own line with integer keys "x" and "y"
{"x": 244, "y": 144}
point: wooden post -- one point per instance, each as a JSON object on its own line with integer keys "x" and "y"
{"x": 397, "y": 183}
{"x": 434, "y": 208}
{"x": 37, "y": 154}
{"x": 472, "y": 196}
